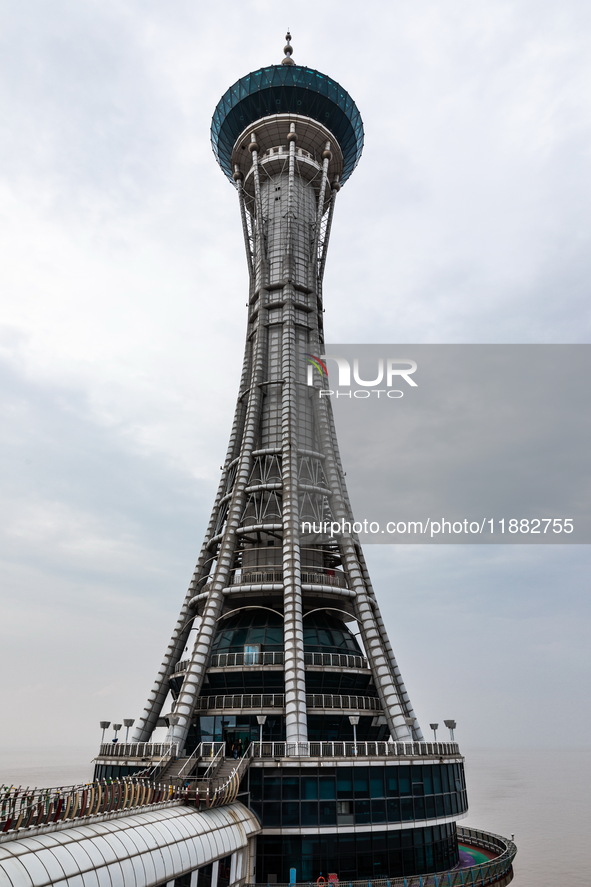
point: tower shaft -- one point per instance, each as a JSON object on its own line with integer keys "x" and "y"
{"x": 282, "y": 466}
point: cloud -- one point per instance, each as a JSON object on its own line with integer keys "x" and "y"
{"x": 123, "y": 287}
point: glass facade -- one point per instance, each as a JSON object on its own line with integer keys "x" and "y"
{"x": 356, "y": 795}
{"x": 357, "y": 855}
{"x": 261, "y": 630}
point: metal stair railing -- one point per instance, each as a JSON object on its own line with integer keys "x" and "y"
{"x": 215, "y": 763}
{"x": 201, "y": 751}
{"x": 226, "y": 792}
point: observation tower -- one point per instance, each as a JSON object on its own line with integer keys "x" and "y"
{"x": 279, "y": 665}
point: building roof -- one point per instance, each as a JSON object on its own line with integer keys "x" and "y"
{"x": 145, "y": 847}
{"x": 287, "y": 89}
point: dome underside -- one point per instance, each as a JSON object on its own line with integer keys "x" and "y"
{"x": 282, "y": 89}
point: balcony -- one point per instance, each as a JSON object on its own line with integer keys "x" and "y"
{"x": 272, "y": 574}
{"x": 261, "y": 573}
{"x": 270, "y": 658}
{"x": 261, "y": 701}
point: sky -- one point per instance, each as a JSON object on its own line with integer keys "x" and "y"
{"x": 122, "y": 291}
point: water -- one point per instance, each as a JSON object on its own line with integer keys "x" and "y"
{"x": 540, "y": 796}
{"x": 45, "y": 768}
{"x": 543, "y": 798}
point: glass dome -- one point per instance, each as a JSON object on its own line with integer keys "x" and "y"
{"x": 323, "y": 633}
{"x": 253, "y": 626}
{"x": 287, "y": 89}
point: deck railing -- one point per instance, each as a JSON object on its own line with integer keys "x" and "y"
{"x": 264, "y": 575}
{"x": 148, "y": 752}
{"x": 353, "y": 749}
{"x": 270, "y": 574}
{"x": 276, "y": 700}
{"x": 244, "y": 700}
{"x": 270, "y": 657}
{"x": 335, "y": 660}
{"x": 143, "y": 750}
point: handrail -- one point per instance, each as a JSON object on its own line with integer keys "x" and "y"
{"x": 33, "y": 807}
{"x": 328, "y": 700}
{"x": 159, "y": 766}
{"x": 260, "y": 657}
{"x": 258, "y": 574}
{"x": 192, "y": 759}
{"x": 137, "y": 749}
{"x": 353, "y": 749}
{"x": 261, "y": 574}
{"x": 215, "y": 762}
{"x": 227, "y": 792}
{"x": 276, "y": 700}
{"x": 336, "y": 660}
{"x": 276, "y": 657}
{"x": 245, "y": 700}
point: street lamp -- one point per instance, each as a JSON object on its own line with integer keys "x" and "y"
{"x": 116, "y": 728}
{"x": 261, "y": 719}
{"x": 354, "y": 720}
{"x": 434, "y": 727}
{"x": 104, "y": 726}
{"x": 451, "y": 726}
{"x": 128, "y": 722}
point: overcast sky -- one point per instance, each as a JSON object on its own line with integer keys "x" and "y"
{"x": 123, "y": 286}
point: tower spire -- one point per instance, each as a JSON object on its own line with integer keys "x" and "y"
{"x": 287, "y": 49}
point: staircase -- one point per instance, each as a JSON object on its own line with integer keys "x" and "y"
{"x": 224, "y": 770}
{"x": 170, "y": 773}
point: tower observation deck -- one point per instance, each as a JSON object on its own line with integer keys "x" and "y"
{"x": 279, "y": 653}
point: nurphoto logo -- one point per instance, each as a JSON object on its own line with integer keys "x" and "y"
{"x": 387, "y": 371}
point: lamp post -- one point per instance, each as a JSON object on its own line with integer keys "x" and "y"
{"x": 104, "y": 726}
{"x": 434, "y": 727}
{"x": 261, "y": 719}
{"x": 128, "y": 722}
{"x": 116, "y": 728}
{"x": 354, "y": 720}
{"x": 451, "y": 726}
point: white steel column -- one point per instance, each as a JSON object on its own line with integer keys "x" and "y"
{"x": 296, "y": 728}
{"x": 185, "y": 704}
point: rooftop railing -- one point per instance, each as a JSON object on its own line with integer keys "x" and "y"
{"x": 353, "y": 749}
{"x": 143, "y": 750}
{"x": 150, "y": 751}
